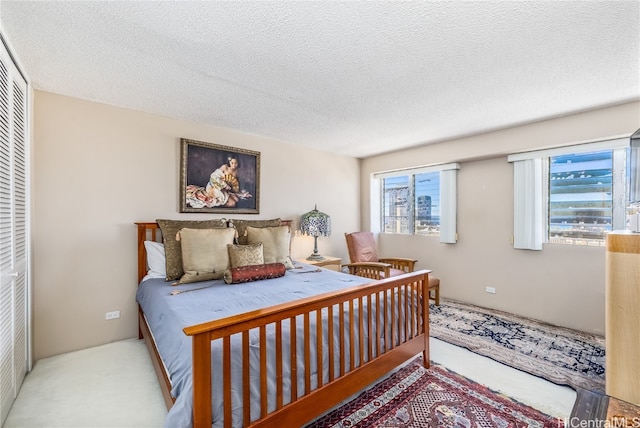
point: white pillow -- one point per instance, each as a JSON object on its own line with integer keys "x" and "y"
{"x": 155, "y": 260}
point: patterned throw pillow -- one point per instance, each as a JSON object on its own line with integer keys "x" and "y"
{"x": 275, "y": 242}
{"x": 172, "y": 247}
{"x": 245, "y": 255}
{"x": 254, "y": 273}
{"x": 204, "y": 253}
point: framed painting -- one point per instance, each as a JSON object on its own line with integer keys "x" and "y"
{"x": 218, "y": 179}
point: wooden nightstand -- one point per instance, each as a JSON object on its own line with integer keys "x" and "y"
{"x": 333, "y": 263}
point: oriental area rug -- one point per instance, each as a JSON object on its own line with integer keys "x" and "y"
{"x": 415, "y": 397}
{"x": 559, "y": 355}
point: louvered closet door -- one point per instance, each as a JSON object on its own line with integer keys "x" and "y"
{"x": 13, "y": 233}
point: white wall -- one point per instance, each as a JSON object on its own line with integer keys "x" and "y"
{"x": 562, "y": 285}
{"x": 97, "y": 169}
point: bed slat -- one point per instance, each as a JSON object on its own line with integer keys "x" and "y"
{"x": 343, "y": 344}
{"x": 279, "y": 378}
{"x": 332, "y": 352}
{"x": 360, "y": 332}
{"x": 226, "y": 379}
{"x": 319, "y": 354}
{"x": 293, "y": 360}
{"x": 263, "y": 372}
{"x": 246, "y": 385}
{"x": 352, "y": 339}
{"x": 307, "y": 355}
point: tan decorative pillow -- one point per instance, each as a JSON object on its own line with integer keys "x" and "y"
{"x": 204, "y": 253}
{"x": 241, "y": 227}
{"x": 245, "y": 255}
{"x": 172, "y": 247}
{"x": 275, "y": 242}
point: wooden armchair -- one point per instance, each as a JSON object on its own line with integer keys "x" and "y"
{"x": 364, "y": 262}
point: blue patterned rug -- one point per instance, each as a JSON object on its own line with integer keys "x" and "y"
{"x": 560, "y": 355}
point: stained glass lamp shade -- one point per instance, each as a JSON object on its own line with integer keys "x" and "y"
{"x": 315, "y": 223}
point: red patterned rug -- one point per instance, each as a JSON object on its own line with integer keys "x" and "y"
{"x": 434, "y": 397}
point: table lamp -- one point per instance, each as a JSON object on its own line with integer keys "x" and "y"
{"x": 315, "y": 223}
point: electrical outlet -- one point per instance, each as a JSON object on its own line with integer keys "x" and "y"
{"x": 490, "y": 290}
{"x": 112, "y": 315}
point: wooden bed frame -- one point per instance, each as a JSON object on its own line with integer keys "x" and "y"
{"x": 402, "y": 341}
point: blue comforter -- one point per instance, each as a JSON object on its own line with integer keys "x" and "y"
{"x": 167, "y": 314}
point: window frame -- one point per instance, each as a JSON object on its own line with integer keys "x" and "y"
{"x": 448, "y": 198}
{"x": 531, "y": 188}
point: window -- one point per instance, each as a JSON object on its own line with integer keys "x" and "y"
{"x": 420, "y": 201}
{"x": 396, "y": 204}
{"x": 407, "y": 194}
{"x": 581, "y": 197}
{"x": 570, "y": 195}
{"x": 427, "y": 203}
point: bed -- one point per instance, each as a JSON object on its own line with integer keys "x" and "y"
{"x": 296, "y": 345}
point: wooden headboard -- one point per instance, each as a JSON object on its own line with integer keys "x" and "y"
{"x": 147, "y": 231}
{"x": 150, "y": 231}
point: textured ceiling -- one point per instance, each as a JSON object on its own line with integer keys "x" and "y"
{"x": 357, "y": 78}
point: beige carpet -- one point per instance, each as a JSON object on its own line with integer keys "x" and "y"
{"x": 114, "y": 386}
{"x": 109, "y": 386}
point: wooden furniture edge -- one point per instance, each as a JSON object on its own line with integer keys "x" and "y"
{"x": 158, "y": 367}
{"x": 150, "y": 230}
{"x": 307, "y": 406}
{"x": 237, "y": 323}
{"x": 623, "y": 241}
{"x": 314, "y": 403}
{"x": 330, "y": 394}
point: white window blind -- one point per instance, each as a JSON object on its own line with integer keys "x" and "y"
{"x": 528, "y": 204}
{"x": 14, "y": 331}
{"x": 449, "y": 206}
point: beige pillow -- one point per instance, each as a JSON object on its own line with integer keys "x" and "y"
{"x": 275, "y": 242}
{"x": 245, "y": 255}
{"x": 204, "y": 253}
{"x": 241, "y": 227}
{"x": 172, "y": 247}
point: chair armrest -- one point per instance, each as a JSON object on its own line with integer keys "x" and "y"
{"x": 404, "y": 264}
{"x": 373, "y": 270}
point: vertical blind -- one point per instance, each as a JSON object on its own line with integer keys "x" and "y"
{"x": 528, "y": 204}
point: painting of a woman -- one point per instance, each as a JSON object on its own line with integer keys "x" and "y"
{"x": 228, "y": 187}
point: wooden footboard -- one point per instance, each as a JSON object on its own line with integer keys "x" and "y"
{"x": 403, "y": 337}
{"x": 395, "y": 309}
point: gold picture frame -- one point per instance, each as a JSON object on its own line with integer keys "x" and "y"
{"x": 218, "y": 179}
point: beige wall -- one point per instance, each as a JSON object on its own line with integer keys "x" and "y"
{"x": 562, "y": 285}
{"x": 97, "y": 169}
